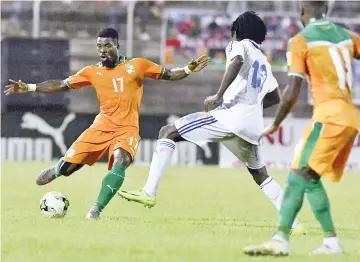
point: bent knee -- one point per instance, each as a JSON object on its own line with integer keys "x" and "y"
{"x": 124, "y": 160}
{"x": 168, "y": 131}
{"x": 122, "y": 157}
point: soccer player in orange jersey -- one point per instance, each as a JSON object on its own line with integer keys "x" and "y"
{"x": 118, "y": 82}
{"x": 323, "y": 51}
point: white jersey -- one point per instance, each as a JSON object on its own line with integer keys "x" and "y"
{"x": 242, "y": 110}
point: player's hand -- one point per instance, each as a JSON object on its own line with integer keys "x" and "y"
{"x": 16, "y": 87}
{"x": 212, "y": 102}
{"x": 199, "y": 63}
{"x": 269, "y": 130}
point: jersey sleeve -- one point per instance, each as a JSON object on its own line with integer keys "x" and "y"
{"x": 80, "y": 79}
{"x": 151, "y": 69}
{"x": 272, "y": 83}
{"x": 356, "y": 41}
{"x": 296, "y": 56}
{"x": 233, "y": 49}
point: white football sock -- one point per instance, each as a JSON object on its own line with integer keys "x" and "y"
{"x": 331, "y": 241}
{"x": 273, "y": 191}
{"x": 160, "y": 161}
{"x": 279, "y": 238}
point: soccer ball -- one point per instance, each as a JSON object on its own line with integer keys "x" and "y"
{"x": 54, "y": 204}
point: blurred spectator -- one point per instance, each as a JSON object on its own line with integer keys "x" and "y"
{"x": 13, "y": 23}
{"x": 235, "y": 8}
{"x": 156, "y": 8}
{"x": 60, "y": 33}
{"x": 102, "y": 4}
{"x": 67, "y": 18}
{"x": 142, "y": 18}
{"x": 216, "y": 29}
{"x": 83, "y": 34}
{"x": 142, "y": 11}
{"x": 113, "y": 10}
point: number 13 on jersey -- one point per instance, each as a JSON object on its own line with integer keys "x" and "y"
{"x": 118, "y": 84}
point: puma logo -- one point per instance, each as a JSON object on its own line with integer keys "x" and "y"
{"x": 112, "y": 189}
{"x": 100, "y": 74}
{"x": 34, "y": 122}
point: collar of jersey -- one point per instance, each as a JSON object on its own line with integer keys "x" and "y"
{"x": 256, "y": 45}
{"x": 320, "y": 21}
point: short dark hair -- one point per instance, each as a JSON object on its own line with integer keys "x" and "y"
{"x": 109, "y": 32}
{"x": 320, "y": 6}
{"x": 249, "y": 26}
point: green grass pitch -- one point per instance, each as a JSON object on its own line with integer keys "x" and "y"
{"x": 202, "y": 214}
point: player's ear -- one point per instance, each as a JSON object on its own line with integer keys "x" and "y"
{"x": 326, "y": 9}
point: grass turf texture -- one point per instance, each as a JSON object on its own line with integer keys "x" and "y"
{"x": 202, "y": 214}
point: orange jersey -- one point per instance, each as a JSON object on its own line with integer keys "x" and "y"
{"x": 118, "y": 89}
{"x": 323, "y": 52}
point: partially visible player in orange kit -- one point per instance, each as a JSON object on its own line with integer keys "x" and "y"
{"x": 323, "y": 53}
{"x": 118, "y": 82}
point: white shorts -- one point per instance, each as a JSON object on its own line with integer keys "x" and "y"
{"x": 201, "y": 128}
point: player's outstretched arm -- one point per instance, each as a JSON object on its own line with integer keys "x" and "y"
{"x": 289, "y": 98}
{"x": 229, "y": 76}
{"x": 195, "y": 65}
{"x": 288, "y": 101}
{"x": 50, "y": 86}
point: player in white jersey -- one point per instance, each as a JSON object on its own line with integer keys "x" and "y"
{"x": 247, "y": 87}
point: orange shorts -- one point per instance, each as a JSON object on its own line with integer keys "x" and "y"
{"x": 92, "y": 144}
{"x": 325, "y": 148}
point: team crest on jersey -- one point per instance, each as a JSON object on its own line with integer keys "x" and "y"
{"x": 130, "y": 69}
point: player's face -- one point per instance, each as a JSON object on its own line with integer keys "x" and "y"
{"x": 107, "y": 48}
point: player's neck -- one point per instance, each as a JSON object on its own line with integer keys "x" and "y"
{"x": 316, "y": 17}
